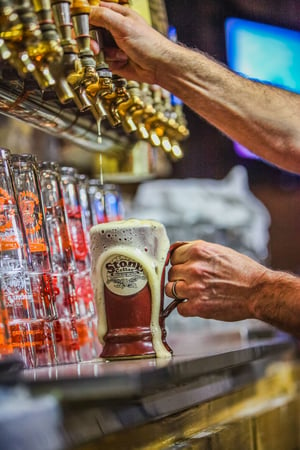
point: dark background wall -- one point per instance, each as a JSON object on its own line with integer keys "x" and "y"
{"x": 210, "y": 154}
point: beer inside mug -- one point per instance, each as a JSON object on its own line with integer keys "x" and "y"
{"x": 143, "y": 245}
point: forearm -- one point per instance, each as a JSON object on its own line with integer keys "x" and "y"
{"x": 277, "y": 301}
{"x": 263, "y": 118}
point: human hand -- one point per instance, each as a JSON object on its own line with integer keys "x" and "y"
{"x": 140, "y": 47}
{"x": 218, "y": 282}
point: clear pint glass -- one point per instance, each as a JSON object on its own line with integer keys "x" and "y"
{"x": 56, "y": 219}
{"x": 29, "y": 199}
{"x": 75, "y": 222}
{"x": 5, "y": 338}
{"x": 14, "y": 255}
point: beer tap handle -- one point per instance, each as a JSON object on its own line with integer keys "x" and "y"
{"x": 105, "y": 85}
{"x": 80, "y": 10}
{"x": 101, "y": 65}
{"x": 52, "y": 50}
{"x": 72, "y": 65}
{"x": 43, "y": 12}
{"x": 87, "y": 75}
{"x": 62, "y": 19}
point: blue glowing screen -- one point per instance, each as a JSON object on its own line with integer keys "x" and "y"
{"x": 264, "y": 52}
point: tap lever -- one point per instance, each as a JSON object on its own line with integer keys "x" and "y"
{"x": 80, "y": 10}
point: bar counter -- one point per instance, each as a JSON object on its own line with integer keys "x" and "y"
{"x": 210, "y": 381}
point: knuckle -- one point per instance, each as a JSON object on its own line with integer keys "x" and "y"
{"x": 196, "y": 271}
{"x": 197, "y": 248}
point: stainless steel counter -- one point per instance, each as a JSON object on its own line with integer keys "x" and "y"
{"x": 101, "y": 397}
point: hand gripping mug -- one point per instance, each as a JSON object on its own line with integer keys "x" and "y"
{"x": 128, "y": 275}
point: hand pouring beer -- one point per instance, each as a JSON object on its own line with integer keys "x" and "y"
{"x": 128, "y": 274}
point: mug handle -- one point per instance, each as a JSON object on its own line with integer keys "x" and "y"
{"x": 171, "y": 306}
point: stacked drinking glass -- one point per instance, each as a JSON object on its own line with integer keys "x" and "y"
{"x": 48, "y": 314}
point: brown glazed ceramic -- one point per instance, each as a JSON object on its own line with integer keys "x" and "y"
{"x": 128, "y": 274}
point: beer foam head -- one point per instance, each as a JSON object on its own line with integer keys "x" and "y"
{"x": 148, "y": 236}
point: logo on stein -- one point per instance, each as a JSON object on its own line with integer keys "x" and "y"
{"x": 123, "y": 276}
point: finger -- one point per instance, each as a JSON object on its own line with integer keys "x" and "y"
{"x": 184, "y": 309}
{"x": 94, "y": 47}
{"x": 121, "y": 9}
{"x": 197, "y": 308}
{"x": 115, "y": 54}
{"x": 187, "y": 309}
{"x": 121, "y": 69}
{"x": 102, "y": 17}
{"x": 178, "y": 272}
{"x": 180, "y": 254}
{"x": 190, "y": 251}
{"x": 108, "y": 16}
{"x": 179, "y": 289}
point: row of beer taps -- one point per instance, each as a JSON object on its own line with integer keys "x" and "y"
{"x": 49, "y": 41}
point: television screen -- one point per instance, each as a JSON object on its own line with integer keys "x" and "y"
{"x": 263, "y": 52}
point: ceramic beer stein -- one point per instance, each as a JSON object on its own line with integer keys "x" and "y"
{"x": 128, "y": 276}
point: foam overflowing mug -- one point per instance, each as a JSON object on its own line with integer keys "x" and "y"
{"x": 128, "y": 274}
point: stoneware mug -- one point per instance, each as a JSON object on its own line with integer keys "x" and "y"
{"x": 129, "y": 258}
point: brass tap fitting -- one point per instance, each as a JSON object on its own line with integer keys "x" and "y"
{"x": 49, "y": 50}
{"x": 175, "y": 129}
{"x": 18, "y": 30}
{"x": 71, "y": 64}
{"x": 176, "y": 125}
{"x": 176, "y": 151}
{"x": 75, "y": 79}
{"x": 28, "y": 40}
{"x": 126, "y": 108}
{"x": 140, "y": 115}
{"x": 85, "y": 76}
{"x": 166, "y": 124}
{"x": 182, "y": 129}
{"x": 62, "y": 19}
{"x": 113, "y": 99}
{"x": 104, "y": 86}
{"x": 99, "y": 113}
{"x": 156, "y": 125}
{"x": 80, "y": 10}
